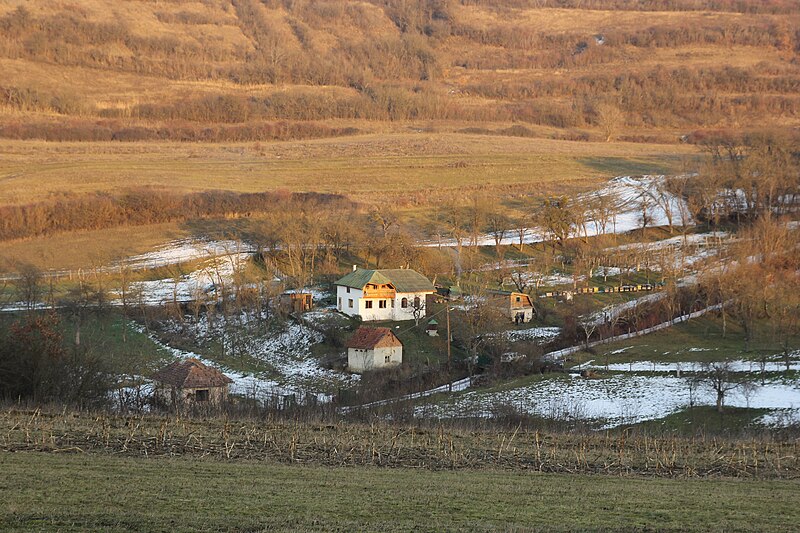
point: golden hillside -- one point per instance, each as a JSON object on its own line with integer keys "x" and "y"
{"x": 244, "y": 70}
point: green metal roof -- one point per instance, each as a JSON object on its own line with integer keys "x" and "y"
{"x": 402, "y": 279}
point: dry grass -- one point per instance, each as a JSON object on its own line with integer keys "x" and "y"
{"x": 86, "y": 249}
{"x": 380, "y": 444}
{"x": 357, "y": 166}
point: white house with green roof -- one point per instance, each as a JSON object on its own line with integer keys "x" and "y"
{"x": 389, "y": 294}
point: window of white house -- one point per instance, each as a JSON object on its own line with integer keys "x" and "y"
{"x": 350, "y": 303}
{"x": 392, "y": 303}
{"x": 416, "y": 302}
{"x": 368, "y": 304}
{"x": 340, "y": 303}
{"x": 404, "y": 303}
{"x": 386, "y": 359}
{"x": 348, "y": 290}
{"x": 382, "y": 304}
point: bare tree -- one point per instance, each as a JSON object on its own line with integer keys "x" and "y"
{"x": 610, "y": 118}
{"x": 418, "y": 309}
{"x": 720, "y": 377}
{"x": 557, "y": 219}
{"x": 498, "y": 225}
{"x": 29, "y": 285}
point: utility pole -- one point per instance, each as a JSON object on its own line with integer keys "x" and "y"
{"x": 449, "y": 380}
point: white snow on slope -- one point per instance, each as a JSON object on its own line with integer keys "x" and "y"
{"x": 244, "y": 384}
{"x": 773, "y": 364}
{"x": 628, "y": 194}
{"x": 620, "y": 399}
{"x": 286, "y": 351}
{"x": 210, "y": 279}
{"x": 541, "y": 335}
{"x": 182, "y": 251}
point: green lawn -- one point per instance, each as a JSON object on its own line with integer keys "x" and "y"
{"x": 705, "y": 420}
{"x": 700, "y": 339}
{"x": 112, "y": 337}
{"x": 70, "y": 492}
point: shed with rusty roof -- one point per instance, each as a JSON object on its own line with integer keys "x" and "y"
{"x": 373, "y": 348}
{"x": 189, "y": 381}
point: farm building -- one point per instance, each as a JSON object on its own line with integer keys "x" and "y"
{"x": 393, "y": 294}
{"x": 432, "y": 329}
{"x": 296, "y": 302}
{"x": 516, "y": 306}
{"x": 373, "y": 348}
{"x": 189, "y": 381}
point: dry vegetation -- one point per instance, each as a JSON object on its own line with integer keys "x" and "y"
{"x": 414, "y": 98}
{"x": 248, "y": 70}
{"x": 381, "y": 444}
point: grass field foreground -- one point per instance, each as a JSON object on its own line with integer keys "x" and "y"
{"x": 71, "y": 492}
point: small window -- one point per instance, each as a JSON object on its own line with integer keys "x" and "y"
{"x": 382, "y": 304}
{"x": 340, "y": 303}
{"x": 348, "y": 290}
{"x": 416, "y": 302}
{"x": 392, "y": 303}
{"x": 350, "y": 303}
{"x": 368, "y": 304}
{"x": 519, "y": 299}
{"x": 404, "y": 303}
{"x": 386, "y": 359}
{"x": 202, "y": 395}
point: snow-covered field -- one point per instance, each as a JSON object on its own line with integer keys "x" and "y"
{"x": 183, "y": 251}
{"x": 542, "y": 335}
{"x": 772, "y": 364}
{"x": 215, "y": 274}
{"x": 613, "y": 311}
{"x": 627, "y": 194}
{"x": 618, "y": 399}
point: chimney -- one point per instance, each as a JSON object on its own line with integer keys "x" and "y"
{"x": 355, "y": 267}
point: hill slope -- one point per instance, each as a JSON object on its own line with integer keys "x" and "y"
{"x": 228, "y": 70}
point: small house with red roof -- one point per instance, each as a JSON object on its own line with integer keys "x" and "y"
{"x": 373, "y": 348}
{"x": 189, "y": 382}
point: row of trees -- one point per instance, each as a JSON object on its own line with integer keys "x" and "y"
{"x": 132, "y": 130}
{"x": 147, "y": 206}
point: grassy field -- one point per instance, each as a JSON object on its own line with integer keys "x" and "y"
{"x": 87, "y": 249}
{"x": 701, "y": 339}
{"x": 704, "y": 420}
{"x": 75, "y": 492}
{"x": 360, "y": 166}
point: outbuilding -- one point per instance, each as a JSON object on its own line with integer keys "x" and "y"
{"x": 373, "y": 348}
{"x": 517, "y": 306}
{"x": 296, "y": 302}
{"x": 188, "y": 382}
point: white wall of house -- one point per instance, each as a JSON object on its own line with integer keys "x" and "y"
{"x": 380, "y": 309}
{"x": 348, "y": 300}
{"x": 359, "y": 360}
{"x": 388, "y": 310}
{"x": 407, "y": 313}
{"x": 526, "y": 314}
